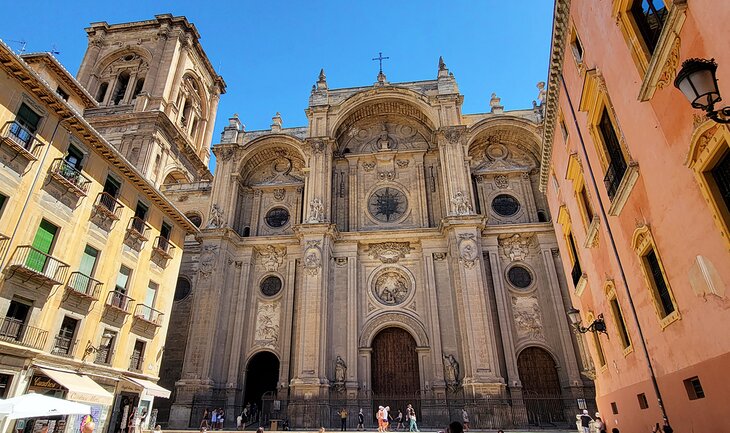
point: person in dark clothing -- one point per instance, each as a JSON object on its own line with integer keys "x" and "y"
{"x": 360, "y": 421}
{"x": 585, "y": 421}
{"x": 455, "y": 427}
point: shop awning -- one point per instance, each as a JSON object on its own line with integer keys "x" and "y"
{"x": 80, "y": 388}
{"x": 150, "y": 388}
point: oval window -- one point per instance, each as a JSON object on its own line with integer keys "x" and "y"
{"x": 277, "y": 217}
{"x": 519, "y": 277}
{"x": 505, "y": 205}
{"x": 271, "y": 285}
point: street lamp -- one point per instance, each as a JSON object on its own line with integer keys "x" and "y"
{"x": 598, "y": 325}
{"x": 698, "y": 83}
{"x": 106, "y": 338}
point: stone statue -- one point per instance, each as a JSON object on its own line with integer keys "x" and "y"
{"x": 383, "y": 141}
{"x": 340, "y": 369}
{"x": 461, "y": 204}
{"x": 451, "y": 369}
{"x": 541, "y": 92}
{"x": 216, "y": 218}
{"x": 316, "y": 211}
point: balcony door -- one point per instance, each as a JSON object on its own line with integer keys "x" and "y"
{"x": 12, "y": 326}
{"x": 42, "y": 244}
{"x": 25, "y": 126}
{"x": 86, "y": 269}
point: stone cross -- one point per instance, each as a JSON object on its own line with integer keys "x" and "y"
{"x": 380, "y": 59}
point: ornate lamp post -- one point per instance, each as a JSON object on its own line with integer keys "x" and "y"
{"x": 597, "y": 326}
{"x": 698, "y": 83}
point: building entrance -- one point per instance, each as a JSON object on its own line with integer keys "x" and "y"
{"x": 394, "y": 369}
{"x": 262, "y": 375}
{"x": 540, "y": 386}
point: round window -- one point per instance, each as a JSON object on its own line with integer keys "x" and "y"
{"x": 519, "y": 277}
{"x": 277, "y": 217}
{"x": 387, "y": 204}
{"x": 182, "y": 289}
{"x": 195, "y": 219}
{"x": 271, "y": 285}
{"x": 505, "y": 205}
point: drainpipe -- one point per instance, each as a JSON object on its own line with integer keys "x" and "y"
{"x": 612, "y": 242}
{"x": 30, "y": 191}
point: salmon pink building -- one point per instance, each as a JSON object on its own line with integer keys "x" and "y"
{"x": 638, "y": 183}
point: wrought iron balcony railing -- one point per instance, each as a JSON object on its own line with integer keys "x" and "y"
{"x": 614, "y": 174}
{"x": 163, "y": 246}
{"x": 63, "y": 346}
{"x": 148, "y": 314}
{"x": 68, "y": 175}
{"x": 138, "y": 228}
{"x": 35, "y": 263}
{"x": 16, "y": 331}
{"x": 119, "y": 301}
{"x": 20, "y": 139}
{"x": 84, "y": 285}
{"x": 108, "y": 205}
{"x": 136, "y": 362}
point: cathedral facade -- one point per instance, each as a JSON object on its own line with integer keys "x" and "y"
{"x": 394, "y": 249}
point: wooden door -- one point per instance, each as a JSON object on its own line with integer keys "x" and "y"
{"x": 394, "y": 364}
{"x": 540, "y": 386}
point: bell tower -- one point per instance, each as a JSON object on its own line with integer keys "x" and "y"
{"x": 158, "y": 95}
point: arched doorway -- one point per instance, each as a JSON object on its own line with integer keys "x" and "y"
{"x": 262, "y": 375}
{"x": 540, "y": 386}
{"x": 394, "y": 370}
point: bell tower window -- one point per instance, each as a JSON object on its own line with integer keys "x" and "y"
{"x": 101, "y": 93}
{"x": 121, "y": 87}
{"x": 138, "y": 87}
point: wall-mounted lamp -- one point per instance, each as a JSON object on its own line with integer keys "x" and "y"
{"x": 598, "y": 325}
{"x": 698, "y": 83}
{"x": 105, "y": 340}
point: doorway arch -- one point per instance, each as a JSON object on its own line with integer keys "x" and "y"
{"x": 262, "y": 376}
{"x": 394, "y": 364}
{"x": 540, "y": 386}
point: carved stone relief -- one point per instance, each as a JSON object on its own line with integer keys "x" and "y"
{"x": 207, "y": 260}
{"x": 516, "y": 246}
{"x": 279, "y": 194}
{"x": 501, "y": 181}
{"x": 468, "y": 250}
{"x": 461, "y": 205}
{"x": 389, "y": 252}
{"x": 316, "y": 211}
{"x": 527, "y": 315}
{"x": 312, "y": 257}
{"x": 271, "y": 257}
{"x": 391, "y": 287}
{"x": 267, "y": 324}
{"x": 216, "y": 218}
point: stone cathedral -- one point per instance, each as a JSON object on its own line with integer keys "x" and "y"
{"x": 394, "y": 249}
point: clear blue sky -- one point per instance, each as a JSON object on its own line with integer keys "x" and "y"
{"x": 270, "y": 52}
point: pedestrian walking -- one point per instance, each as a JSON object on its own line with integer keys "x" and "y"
{"x": 214, "y": 419}
{"x": 585, "y": 421}
{"x": 412, "y": 425}
{"x": 599, "y": 425}
{"x": 465, "y": 419}
{"x": 221, "y": 418}
{"x": 360, "y": 421}
{"x": 399, "y": 418}
{"x": 379, "y": 416}
{"x": 204, "y": 420}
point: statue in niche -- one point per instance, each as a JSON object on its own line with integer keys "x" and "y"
{"x": 451, "y": 370}
{"x": 316, "y": 211}
{"x": 383, "y": 142}
{"x": 340, "y": 370}
{"x": 461, "y": 204}
{"x": 216, "y": 217}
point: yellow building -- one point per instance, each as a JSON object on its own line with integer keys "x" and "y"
{"x": 90, "y": 252}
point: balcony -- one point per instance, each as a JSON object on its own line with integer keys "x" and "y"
{"x": 119, "y": 301}
{"x": 148, "y": 314}
{"x": 20, "y": 140}
{"x": 83, "y": 286}
{"x": 136, "y": 363}
{"x": 38, "y": 265}
{"x": 104, "y": 356}
{"x": 614, "y": 174}
{"x": 70, "y": 177}
{"x": 3, "y": 243}
{"x": 63, "y": 346}
{"x": 137, "y": 233}
{"x": 163, "y": 247}
{"x": 16, "y": 331}
{"x": 107, "y": 205}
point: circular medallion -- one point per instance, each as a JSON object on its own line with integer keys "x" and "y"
{"x": 391, "y": 287}
{"x": 194, "y": 218}
{"x": 271, "y": 285}
{"x": 505, "y": 205}
{"x": 387, "y": 204}
{"x": 277, "y": 217}
{"x": 282, "y": 165}
{"x": 519, "y": 277}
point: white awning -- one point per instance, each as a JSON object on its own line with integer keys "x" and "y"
{"x": 150, "y": 388}
{"x": 81, "y": 388}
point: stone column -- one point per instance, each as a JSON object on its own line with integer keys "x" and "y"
{"x": 255, "y": 211}
{"x": 91, "y": 57}
{"x": 288, "y": 321}
{"x": 506, "y": 322}
{"x": 352, "y": 326}
{"x": 438, "y": 385}
{"x": 564, "y": 331}
{"x": 479, "y": 364}
{"x": 529, "y": 197}
{"x": 156, "y": 60}
{"x": 210, "y": 120}
{"x": 236, "y": 335}
{"x": 454, "y": 169}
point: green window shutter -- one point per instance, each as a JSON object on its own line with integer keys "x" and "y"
{"x": 122, "y": 278}
{"x": 88, "y": 261}
{"x": 43, "y": 242}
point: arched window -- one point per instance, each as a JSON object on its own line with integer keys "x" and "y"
{"x": 121, "y": 87}
{"x": 101, "y": 93}
{"x": 186, "y": 113}
{"x": 194, "y": 128}
{"x": 138, "y": 87}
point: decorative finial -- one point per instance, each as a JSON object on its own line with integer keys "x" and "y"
{"x": 495, "y": 104}
{"x": 276, "y": 122}
{"x": 322, "y": 76}
{"x": 442, "y": 65}
{"x": 322, "y": 80}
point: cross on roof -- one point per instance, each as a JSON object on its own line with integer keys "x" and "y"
{"x": 380, "y": 59}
